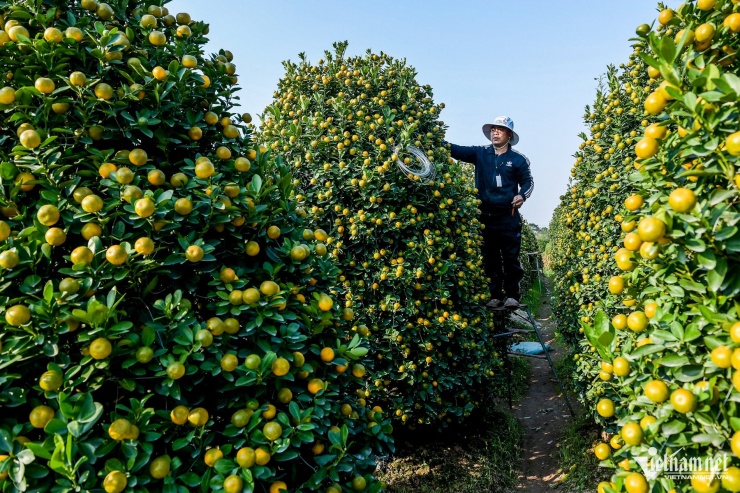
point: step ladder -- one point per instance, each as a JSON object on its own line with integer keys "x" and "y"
{"x": 500, "y": 317}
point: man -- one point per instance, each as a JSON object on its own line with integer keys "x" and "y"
{"x": 504, "y": 181}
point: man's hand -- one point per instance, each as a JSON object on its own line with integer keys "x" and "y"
{"x": 518, "y": 201}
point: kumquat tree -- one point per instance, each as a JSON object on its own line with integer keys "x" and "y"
{"x": 658, "y": 305}
{"x": 192, "y": 302}
{"x": 408, "y": 246}
{"x": 167, "y": 321}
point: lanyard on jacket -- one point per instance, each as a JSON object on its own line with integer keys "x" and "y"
{"x": 497, "y": 165}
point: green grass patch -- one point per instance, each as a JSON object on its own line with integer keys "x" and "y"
{"x": 566, "y": 368}
{"x": 575, "y": 454}
{"x": 521, "y": 367}
{"x": 519, "y": 379}
{"x": 576, "y": 457}
{"x": 533, "y": 297}
{"x": 482, "y": 456}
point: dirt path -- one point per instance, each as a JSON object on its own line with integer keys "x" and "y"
{"x": 544, "y": 415}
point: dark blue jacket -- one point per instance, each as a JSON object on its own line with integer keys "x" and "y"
{"x": 512, "y": 166}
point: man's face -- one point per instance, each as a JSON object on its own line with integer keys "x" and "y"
{"x": 500, "y": 135}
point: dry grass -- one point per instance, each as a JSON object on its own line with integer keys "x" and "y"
{"x": 482, "y": 456}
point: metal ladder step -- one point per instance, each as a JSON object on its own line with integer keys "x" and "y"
{"x": 530, "y": 319}
{"x": 521, "y": 331}
{"x": 525, "y": 355}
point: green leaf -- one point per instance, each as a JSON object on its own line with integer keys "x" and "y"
{"x": 335, "y": 438}
{"x": 190, "y": 479}
{"x": 345, "y": 435}
{"x": 733, "y": 81}
{"x": 224, "y": 466}
{"x": 733, "y": 245}
{"x": 720, "y": 196}
{"x": 49, "y": 291}
{"x": 256, "y": 184}
{"x": 5, "y": 443}
{"x": 695, "y": 244}
{"x": 173, "y": 67}
{"x": 80, "y": 315}
{"x": 645, "y": 350}
{"x": 152, "y": 284}
{"x": 692, "y": 332}
{"x": 715, "y": 439}
{"x": 673, "y": 360}
{"x": 111, "y": 297}
{"x": 677, "y": 331}
{"x": 75, "y": 428}
{"x": 121, "y": 328}
{"x": 8, "y": 171}
{"x": 46, "y": 250}
{"x": 18, "y": 474}
{"x": 164, "y": 197}
{"x": 38, "y": 450}
{"x": 673, "y": 427}
{"x": 57, "y": 457}
{"x": 707, "y": 260}
{"x": 323, "y": 460}
{"x": 147, "y": 336}
{"x": 601, "y": 335}
{"x": 87, "y": 408}
{"x": 713, "y": 318}
{"x": 689, "y": 373}
{"x": 289, "y": 454}
{"x": 91, "y": 415}
{"x": 690, "y": 285}
{"x": 174, "y": 259}
{"x": 70, "y": 448}
{"x": 726, "y": 233}
{"x": 716, "y": 277}
{"x": 97, "y": 313}
{"x": 354, "y": 342}
{"x": 668, "y": 49}
{"x": 270, "y": 329}
{"x": 180, "y": 443}
{"x": 205, "y": 480}
{"x": 357, "y": 352}
{"x": 56, "y": 426}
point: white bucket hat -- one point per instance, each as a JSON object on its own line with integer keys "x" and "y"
{"x": 502, "y": 121}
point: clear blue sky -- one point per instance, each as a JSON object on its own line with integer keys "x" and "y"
{"x": 533, "y": 60}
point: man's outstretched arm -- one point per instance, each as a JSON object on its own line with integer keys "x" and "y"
{"x": 464, "y": 153}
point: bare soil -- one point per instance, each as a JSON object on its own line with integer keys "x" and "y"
{"x": 480, "y": 455}
{"x": 544, "y": 415}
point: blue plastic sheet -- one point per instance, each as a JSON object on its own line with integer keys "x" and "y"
{"x": 529, "y": 348}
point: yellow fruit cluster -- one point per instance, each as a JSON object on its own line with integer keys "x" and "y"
{"x": 166, "y": 320}
{"x": 670, "y": 361}
{"x": 408, "y": 248}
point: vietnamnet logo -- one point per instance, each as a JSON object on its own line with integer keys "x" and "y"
{"x": 671, "y": 466}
